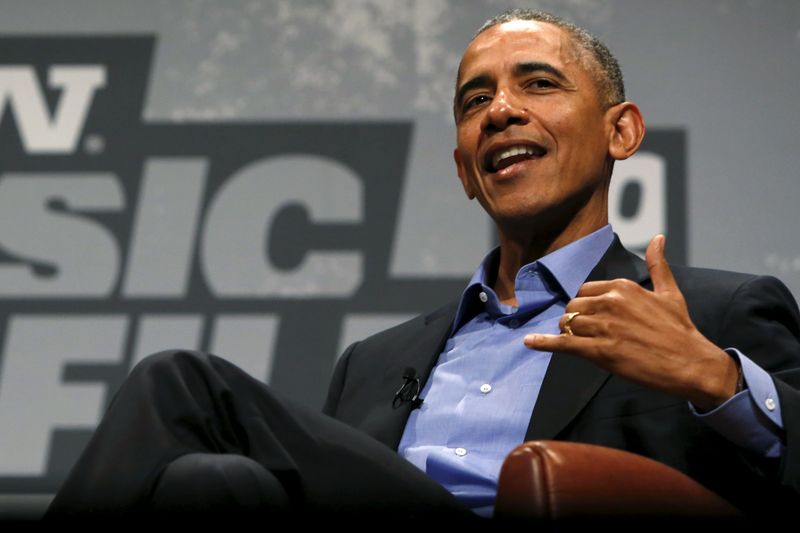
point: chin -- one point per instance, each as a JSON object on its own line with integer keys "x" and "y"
{"x": 517, "y": 217}
{"x": 516, "y": 208}
{"x": 535, "y": 216}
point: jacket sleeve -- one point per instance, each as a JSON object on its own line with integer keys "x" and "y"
{"x": 763, "y": 322}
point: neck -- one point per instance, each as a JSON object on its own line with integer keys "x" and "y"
{"x": 523, "y": 244}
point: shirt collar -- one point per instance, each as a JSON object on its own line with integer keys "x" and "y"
{"x": 572, "y": 264}
{"x": 569, "y": 266}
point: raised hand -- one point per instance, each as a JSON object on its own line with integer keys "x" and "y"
{"x": 644, "y": 336}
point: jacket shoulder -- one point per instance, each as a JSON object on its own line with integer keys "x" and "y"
{"x": 712, "y": 287}
{"x": 740, "y": 310}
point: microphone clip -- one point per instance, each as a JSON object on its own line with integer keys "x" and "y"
{"x": 408, "y": 391}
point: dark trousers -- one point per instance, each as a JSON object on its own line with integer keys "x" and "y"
{"x": 191, "y": 432}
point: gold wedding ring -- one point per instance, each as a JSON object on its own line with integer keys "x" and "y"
{"x": 568, "y": 323}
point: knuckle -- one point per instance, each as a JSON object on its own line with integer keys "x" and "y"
{"x": 613, "y": 343}
{"x": 597, "y": 353}
{"x": 611, "y": 299}
{"x": 602, "y": 303}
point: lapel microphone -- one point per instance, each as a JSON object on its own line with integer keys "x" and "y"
{"x": 408, "y": 391}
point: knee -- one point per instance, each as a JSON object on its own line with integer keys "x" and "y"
{"x": 168, "y": 362}
{"x": 214, "y": 482}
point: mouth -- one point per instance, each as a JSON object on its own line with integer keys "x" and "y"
{"x": 499, "y": 158}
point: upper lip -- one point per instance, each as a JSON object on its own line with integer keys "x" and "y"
{"x": 497, "y": 148}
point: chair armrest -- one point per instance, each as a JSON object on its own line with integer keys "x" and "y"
{"x": 552, "y": 480}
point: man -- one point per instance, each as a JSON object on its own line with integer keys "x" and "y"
{"x": 541, "y": 116}
{"x": 632, "y": 359}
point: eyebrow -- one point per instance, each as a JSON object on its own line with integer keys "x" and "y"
{"x": 528, "y": 68}
{"x": 520, "y": 69}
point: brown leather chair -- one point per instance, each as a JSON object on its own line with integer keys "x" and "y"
{"x": 557, "y": 481}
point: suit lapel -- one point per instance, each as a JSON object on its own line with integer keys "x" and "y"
{"x": 421, "y": 354}
{"x": 435, "y": 335}
{"x": 571, "y": 381}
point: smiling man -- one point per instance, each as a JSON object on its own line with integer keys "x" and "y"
{"x": 673, "y": 367}
{"x": 537, "y": 137}
{"x": 560, "y": 334}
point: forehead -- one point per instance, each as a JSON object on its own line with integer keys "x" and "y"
{"x": 516, "y": 42}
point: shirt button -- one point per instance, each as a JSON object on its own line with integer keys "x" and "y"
{"x": 514, "y": 323}
{"x": 483, "y": 297}
{"x": 485, "y": 388}
{"x": 770, "y": 403}
{"x": 461, "y": 452}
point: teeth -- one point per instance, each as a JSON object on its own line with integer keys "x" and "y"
{"x": 512, "y": 151}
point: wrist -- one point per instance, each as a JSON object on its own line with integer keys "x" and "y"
{"x": 720, "y": 378}
{"x": 740, "y": 384}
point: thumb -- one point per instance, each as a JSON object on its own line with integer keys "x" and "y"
{"x": 660, "y": 273}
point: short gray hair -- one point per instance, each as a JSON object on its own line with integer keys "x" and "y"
{"x": 605, "y": 67}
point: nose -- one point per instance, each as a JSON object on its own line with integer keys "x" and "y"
{"x": 504, "y": 111}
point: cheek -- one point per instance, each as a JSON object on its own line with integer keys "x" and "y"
{"x": 466, "y": 156}
{"x": 466, "y": 133}
{"x": 587, "y": 148}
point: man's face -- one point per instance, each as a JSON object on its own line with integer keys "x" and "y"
{"x": 533, "y": 139}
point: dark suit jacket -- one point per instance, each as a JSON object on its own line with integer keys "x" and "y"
{"x": 581, "y": 402}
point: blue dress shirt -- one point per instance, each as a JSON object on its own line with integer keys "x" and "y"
{"x": 481, "y": 393}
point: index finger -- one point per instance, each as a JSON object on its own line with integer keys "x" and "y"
{"x": 595, "y": 288}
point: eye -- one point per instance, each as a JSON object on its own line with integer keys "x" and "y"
{"x": 541, "y": 83}
{"x": 473, "y": 101}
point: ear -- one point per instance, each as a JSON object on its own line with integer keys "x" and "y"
{"x": 462, "y": 175}
{"x": 627, "y": 132}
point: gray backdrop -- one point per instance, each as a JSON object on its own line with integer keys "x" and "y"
{"x": 271, "y": 180}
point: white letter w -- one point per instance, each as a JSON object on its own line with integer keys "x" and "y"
{"x": 40, "y": 132}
